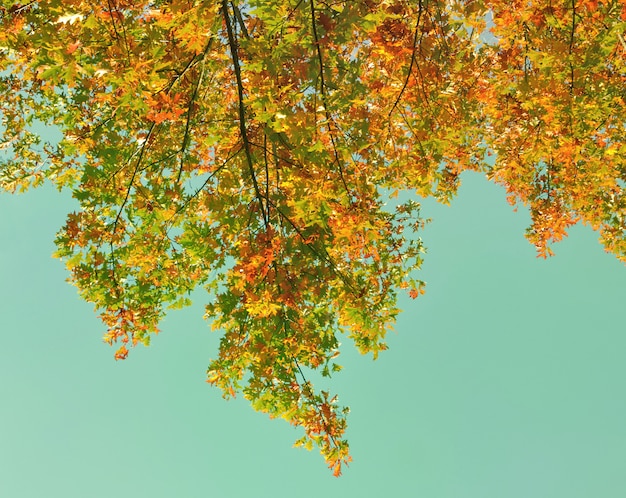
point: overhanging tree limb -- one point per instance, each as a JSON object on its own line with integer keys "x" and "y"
{"x": 232, "y": 43}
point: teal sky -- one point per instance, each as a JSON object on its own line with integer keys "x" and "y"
{"x": 507, "y": 379}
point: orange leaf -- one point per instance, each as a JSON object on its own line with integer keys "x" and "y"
{"x": 71, "y": 48}
{"x": 121, "y": 353}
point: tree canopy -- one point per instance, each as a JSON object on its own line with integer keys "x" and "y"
{"x": 256, "y": 148}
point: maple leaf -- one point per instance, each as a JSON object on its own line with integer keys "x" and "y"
{"x": 71, "y": 48}
{"x": 121, "y": 353}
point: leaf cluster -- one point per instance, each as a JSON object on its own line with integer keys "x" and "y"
{"x": 250, "y": 148}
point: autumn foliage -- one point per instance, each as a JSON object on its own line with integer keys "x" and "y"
{"x": 252, "y": 148}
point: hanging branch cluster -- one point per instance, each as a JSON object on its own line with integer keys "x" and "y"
{"x": 250, "y": 148}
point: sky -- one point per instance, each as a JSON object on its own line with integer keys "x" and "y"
{"x": 506, "y": 379}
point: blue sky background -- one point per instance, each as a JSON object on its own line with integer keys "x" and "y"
{"x": 506, "y": 379}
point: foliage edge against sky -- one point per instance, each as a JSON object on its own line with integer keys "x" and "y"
{"x": 250, "y": 147}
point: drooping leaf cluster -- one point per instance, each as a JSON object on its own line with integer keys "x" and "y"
{"x": 251, "y": 148}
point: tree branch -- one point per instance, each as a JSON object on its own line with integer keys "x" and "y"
{"x": 408, "y": 75}
{"x": 242, "y": 110}
{"x": 323, "y": 93}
